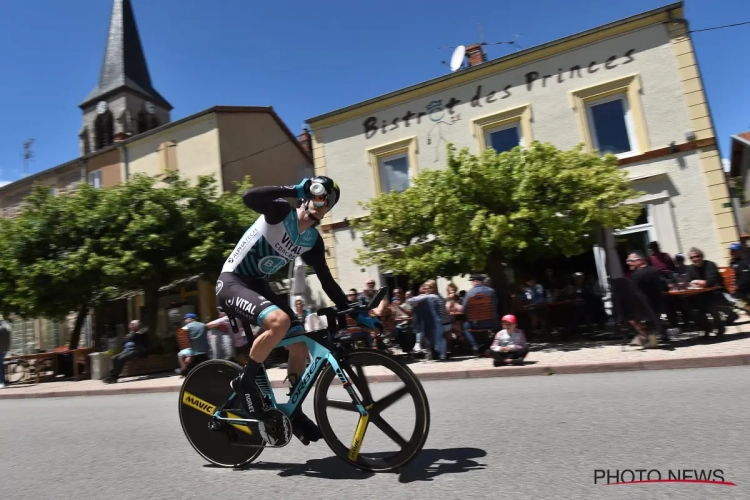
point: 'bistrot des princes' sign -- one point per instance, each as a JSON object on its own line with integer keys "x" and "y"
{"x": 372, "y": 125}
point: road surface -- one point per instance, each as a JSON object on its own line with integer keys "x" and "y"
{"x": 520, "y": 437}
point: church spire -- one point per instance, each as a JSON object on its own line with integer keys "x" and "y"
{"x": 124, "y": 67}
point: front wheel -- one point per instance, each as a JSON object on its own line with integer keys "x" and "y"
{"x": 408, "y": 444}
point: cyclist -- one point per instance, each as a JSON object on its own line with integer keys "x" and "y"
{"x": 278, "y": 237}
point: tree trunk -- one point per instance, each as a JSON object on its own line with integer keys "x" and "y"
{"x": 496, "y": 272}
{"x": 151, "y": 311}
{"x": 76, "y": 334}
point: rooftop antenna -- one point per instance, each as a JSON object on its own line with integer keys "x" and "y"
{"x": 459, "y": 53}
{"x": 28, "y": 155}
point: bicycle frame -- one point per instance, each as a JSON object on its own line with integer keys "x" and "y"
{"x": 321, "y": 354}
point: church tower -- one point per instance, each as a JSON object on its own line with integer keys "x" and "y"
{"x": 124, "y": 102}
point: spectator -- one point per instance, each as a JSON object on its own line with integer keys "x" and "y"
{"x": 741, "y": 270}
{"x": 198, "y": 343}
{"x": 704, "y": 274}
{"x": 430, "y": 313}
{"x": 480, "y": 288}
{"x": 679, "y": 264}
{"x": 300, "y": 311}
{"x": 660, "y": 260}
{"x": 134, "y": 346}
{"x": 509, "y": 345}
{"x": 313, "y": 322}
{"x": 5, "y": 330}
{"x": 533, "y": 299}
{"x": 223, "y": 340}
{"x": 368, "y": 294}
{"x": 649, "y": 281}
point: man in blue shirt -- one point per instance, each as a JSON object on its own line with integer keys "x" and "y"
{"x": 198, "y": 334}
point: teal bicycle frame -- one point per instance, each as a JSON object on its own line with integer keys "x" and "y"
{"x": 321, "y": 354}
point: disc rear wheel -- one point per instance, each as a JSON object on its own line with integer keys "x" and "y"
{"x": 375, "y": 429}
{"x": 204, "y": 390}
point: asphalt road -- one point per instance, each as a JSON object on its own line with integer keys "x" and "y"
{"x": 520, "y": 437}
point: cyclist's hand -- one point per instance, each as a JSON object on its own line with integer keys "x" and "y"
{"x": 303, "y": 189}
{"x": 368, "y": 321}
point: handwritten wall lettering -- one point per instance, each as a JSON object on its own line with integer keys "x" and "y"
{"x": 533, "y": 79}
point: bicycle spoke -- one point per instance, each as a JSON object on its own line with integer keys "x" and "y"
{"x": 341, "y": 405}
{"x": 391, "y": 398}
{"x": 389, "y": 431}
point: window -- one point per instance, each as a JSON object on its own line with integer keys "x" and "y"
{"x": 610, "y": 117}
{"x": 611, "y": 124}
{"x": 394, "y": 173}
{"x": 95, "y": 179}
{"x": 393, "y": 165}
{"x": 167, "y": 158}
{"x": 503, "y": 139}
{"x": 505, "y": 130}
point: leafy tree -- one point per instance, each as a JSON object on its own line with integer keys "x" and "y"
{"x": 161, "y": 234}
{"x": 51, "y": 257}
{"x": 483, "y": 211}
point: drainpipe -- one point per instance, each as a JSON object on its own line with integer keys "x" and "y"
{"x": 125, "y": 161}
{"x": 84, "y": 176}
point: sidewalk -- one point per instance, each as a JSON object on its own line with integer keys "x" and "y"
{"x": 690, "y": 351}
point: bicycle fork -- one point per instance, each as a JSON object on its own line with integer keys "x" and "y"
{"x": 364, "y": 416}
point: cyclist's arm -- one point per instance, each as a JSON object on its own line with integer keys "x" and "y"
{"x": 268, "y": 200}
{"x": 316, "y": 258}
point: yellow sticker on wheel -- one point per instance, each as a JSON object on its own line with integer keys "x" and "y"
{"x": 359, "y": 436}
{"x": 209, "y": 409}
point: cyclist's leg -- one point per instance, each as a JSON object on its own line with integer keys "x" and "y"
{"x": 249, "y": 306}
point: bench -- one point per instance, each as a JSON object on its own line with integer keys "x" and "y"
{"x": 81, "y": 357}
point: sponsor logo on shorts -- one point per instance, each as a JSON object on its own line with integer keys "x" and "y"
{"x": 245, "y": 306}
{"x": 219, "y": 286}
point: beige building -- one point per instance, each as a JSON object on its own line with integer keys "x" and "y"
{"x": 127, "y": 131}
{"x": 632, "y": 87}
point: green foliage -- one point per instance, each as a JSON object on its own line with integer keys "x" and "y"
{"x": 522, "y": 204}
{"x": 78, "y": 250}
{"x": 51, "y": 255}
{"x": 161, "y": 234}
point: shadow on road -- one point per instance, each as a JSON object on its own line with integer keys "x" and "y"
{"x": 429, "y": 464}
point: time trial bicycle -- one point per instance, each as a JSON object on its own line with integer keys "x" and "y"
{"x": 222, "y": 433}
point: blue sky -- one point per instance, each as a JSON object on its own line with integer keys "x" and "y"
{"x": 302, "y": 58}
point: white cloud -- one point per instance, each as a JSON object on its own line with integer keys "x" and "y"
{"x": 4, "y": 183}
{"x": 726, "y": 164}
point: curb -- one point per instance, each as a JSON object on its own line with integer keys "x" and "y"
{"x": 718, "y": 361}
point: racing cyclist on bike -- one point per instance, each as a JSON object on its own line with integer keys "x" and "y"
{"x": 280, "y": 235}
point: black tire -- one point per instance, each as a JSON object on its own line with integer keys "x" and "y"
{"x": 414, "y": 443}
{"x": 209, "y": 383}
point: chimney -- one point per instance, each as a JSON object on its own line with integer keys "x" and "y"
{"x": 475, "y": 54}
{"x": 305, "y": 140}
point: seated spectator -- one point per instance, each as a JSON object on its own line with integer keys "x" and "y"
{"x": 704, "y": 274}
{"x": 492, "y": 324}
{"x": 509, "y": 345}
{"x": 679, "y": 265}
{"x": 198, "y": 343}
{"x": 134, "y": 346}
{"x": 660, "y": 260}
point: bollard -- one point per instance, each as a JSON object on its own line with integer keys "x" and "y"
{"x": 101, "y": 364}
